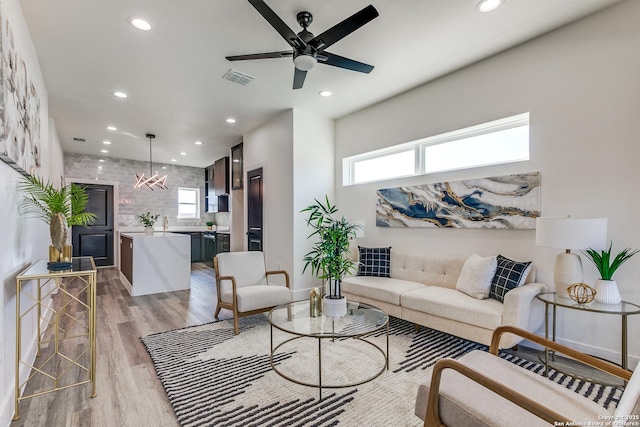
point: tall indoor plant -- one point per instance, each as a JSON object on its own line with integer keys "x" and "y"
{"x": 328, "y": 257}
{"x": 58, "y": 207}
{"x": 606, "y": 288}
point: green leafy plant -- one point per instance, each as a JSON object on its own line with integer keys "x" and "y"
{"x": 328, "y": 258}
{"x": 603, "y": 262}
{"x": 209, "y": 223}
{"x": 58, "y": 207}
{"x": 148, "y": 219}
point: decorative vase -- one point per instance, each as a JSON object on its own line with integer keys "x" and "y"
{"x": 607, "y": 292}
{"x": 148, "y": 230}
{"x": 334, "y": 306}
{"x": 57, "y": 256}
{"x": 315, "y": 303}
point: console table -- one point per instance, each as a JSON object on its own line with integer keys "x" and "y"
{"x": 65, "y": 304}
{"x": 623, "y": 309}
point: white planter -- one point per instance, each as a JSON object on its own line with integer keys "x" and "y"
{"x": 148, "y": 230}
{"x": 607, "y": 292}
{"x": 334, "y": 307}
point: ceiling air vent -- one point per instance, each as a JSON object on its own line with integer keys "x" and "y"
{"x": 238, "y": 77}
{"x": 76, "y": 139}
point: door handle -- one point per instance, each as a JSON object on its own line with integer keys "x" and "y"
{"x": 249, "y": 233}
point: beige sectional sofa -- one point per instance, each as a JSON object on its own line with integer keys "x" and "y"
{"x": 422, "y": 290}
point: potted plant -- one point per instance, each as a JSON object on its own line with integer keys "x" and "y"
{"x": 59, "y": 207}
{"x": 328, "y": 258}
{"x": 607, "y": 288}
{"x": 148, "y": 219}
{"x": 209, "y": 225}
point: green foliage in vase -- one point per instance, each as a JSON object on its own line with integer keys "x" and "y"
{"x": 148, "y": 219}
{"x": 209, "y": 223}
{"x": 603, "y": 262}
{"x": 58, "y": 207}
{"x": 328, "y": 258}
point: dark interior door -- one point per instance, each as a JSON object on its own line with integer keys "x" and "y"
{"x": 254, "y": 210}
{"x": 97, "y": 239}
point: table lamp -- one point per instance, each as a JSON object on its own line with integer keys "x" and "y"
{"x": 570, "y": 233}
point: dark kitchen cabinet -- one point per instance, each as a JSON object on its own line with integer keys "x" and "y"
{"x": 221, "y": 176}
{"x": 223, "y": 242}
{"x": 126, "y": 257}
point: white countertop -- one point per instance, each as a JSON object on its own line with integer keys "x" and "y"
{"x": 158, "y": 228}
{"x": 155, "y": 234}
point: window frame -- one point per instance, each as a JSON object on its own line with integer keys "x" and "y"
{"x": 197, "y": 203}
{"x": 420, "y": 146}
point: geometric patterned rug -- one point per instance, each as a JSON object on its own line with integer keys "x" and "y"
{"x": 215, "y": 378}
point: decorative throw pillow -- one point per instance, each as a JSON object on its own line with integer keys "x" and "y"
{"x": 374, "y": 262}
{"x": 509, "y": 275}
{"x": 476, "y": 276}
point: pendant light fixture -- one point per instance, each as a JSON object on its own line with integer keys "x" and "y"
{"x": 152, "y": 180}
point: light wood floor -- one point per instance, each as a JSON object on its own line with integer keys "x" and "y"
{"x": 128, "y": 391}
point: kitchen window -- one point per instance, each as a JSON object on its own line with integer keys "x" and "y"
{"x": 188, "y": 202}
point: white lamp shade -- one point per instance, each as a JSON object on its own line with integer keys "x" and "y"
{"x": 571, "y": 233}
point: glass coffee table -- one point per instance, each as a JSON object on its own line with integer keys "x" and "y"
{"x": 351, "y": 349}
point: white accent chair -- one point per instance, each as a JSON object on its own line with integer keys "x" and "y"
{"x": 481, "y": 389}
{"x": 243, "y": 285}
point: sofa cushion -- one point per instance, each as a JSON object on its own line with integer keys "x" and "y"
{"x": 464, "y": 402}
{"x": 509, "y": 275}
{"x": 454, "y": 305}
{"x": 476, "y": 276}
{"x": 378, "y": 288}
{"x": 432, "y": 270}
{"x": 374, "y": 262}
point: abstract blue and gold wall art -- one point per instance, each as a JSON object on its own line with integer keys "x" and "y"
{"x": 510, "y": 201}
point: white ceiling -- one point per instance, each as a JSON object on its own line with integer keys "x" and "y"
{"x": 173, "y": 74}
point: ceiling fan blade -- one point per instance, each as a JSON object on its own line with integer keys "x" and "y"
{"x": 342, "y": 62}
{"x": 277, "y": 23}
{"x": 344, "y": 28}
{"x": 298, "y": 78}
{"x": 266, "y": 55}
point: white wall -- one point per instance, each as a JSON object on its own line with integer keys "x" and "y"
{"x": 313, "y": 154}
{"x": 581, "y": 85}
{"x": 270, "y": 147}
{"x": 24, "y": 240}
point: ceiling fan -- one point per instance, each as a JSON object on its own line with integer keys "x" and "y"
{"x": 308, "y": 49}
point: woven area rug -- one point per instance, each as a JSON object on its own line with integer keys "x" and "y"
{"x": 215, "y": 378}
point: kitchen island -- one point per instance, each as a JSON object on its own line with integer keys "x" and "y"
{"x": 154, "y": 263}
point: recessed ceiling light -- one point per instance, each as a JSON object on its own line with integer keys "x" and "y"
{"x": 112, "y": 128}
{"x": 120, "y": 94}
{"x": 231, "y": 120}
{"x": 164, "y": 167}
{"x": 325, "y": 93}
{"x": 106, "y": 142}
{"x": 99, "y": 167}
{"x": 104, "y": 151}
{"x": 173, "y": 160}
{"x": 489, "y": 5}
{"x": 182, "y": 153}
{"x": 101, "y": 160}
{"x": 140, "y": 23}
{"x": 198, "y": 142}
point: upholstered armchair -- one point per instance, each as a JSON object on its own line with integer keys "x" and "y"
{"x": 481, "y": 389}
{"x": 243, "y": 286}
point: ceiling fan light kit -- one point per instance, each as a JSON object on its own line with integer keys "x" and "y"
{"x": 308, "y": 50}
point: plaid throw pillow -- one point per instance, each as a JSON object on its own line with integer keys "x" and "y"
{"x": 509, "y": 275}
{"x": 374, "y": 262}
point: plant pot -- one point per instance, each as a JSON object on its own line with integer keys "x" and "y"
{"x": 148, "y": 230}
{"x": 334, "y": 306}
{"x": 607, "y": 292}
{"x": 57, "y": 256}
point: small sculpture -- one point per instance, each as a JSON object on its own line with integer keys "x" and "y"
{"x": 315, "y": 303}
{"x": 581, "y": 293}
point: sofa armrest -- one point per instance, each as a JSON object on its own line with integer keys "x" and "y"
{"x": 522, "y": 309}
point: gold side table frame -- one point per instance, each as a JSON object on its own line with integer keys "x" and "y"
{"x": 65, "y": 302}
{"x": 552, "y": 301}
